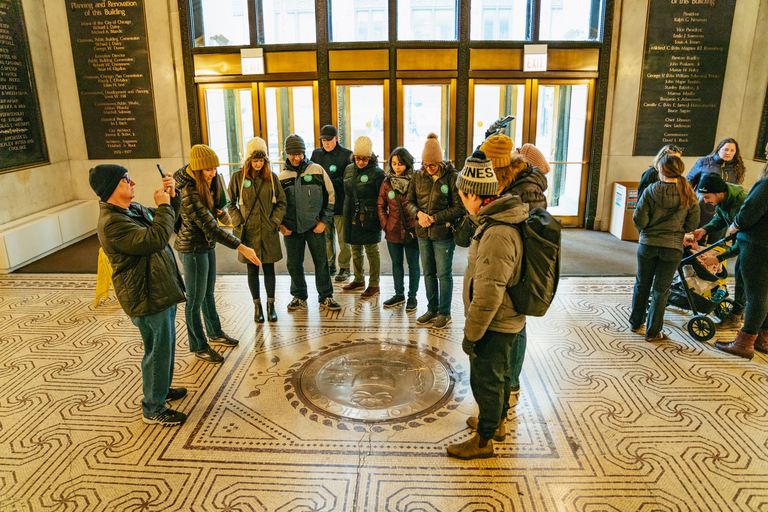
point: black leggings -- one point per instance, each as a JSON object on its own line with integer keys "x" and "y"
{"x": 754, "y": 264}
{"x": 269, "y": 279}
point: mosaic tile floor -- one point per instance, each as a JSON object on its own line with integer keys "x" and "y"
{"x": 604, "y": 422}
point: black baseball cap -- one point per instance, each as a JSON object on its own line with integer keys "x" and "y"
{"x": 328, "y": 132}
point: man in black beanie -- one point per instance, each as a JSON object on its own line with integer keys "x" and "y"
{"x": 146, "y": 279}
{"x": 727, "y": 199}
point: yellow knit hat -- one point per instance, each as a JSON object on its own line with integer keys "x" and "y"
{"x": 498, "y": 148}
{"x": 202, "y": 157}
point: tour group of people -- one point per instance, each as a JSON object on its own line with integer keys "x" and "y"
{"x": 341, "y": 198}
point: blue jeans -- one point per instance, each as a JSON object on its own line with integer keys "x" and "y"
{"x": 158, "y": 332}
{"x": 656, "y": 268}
{"x": 200, "y": 278}
{"x": 396, "y": 253}
{"x": 294, "y": 248}
{"x": 437, "y": 265}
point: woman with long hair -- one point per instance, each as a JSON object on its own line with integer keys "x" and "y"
{"x": 196, "y": 241}
{"x": 651, "y": 175}
{"x": 257, "y": 210}
{"x": 665, "y": 212}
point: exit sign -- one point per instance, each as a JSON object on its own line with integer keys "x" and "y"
{"x": 535, "y": 57}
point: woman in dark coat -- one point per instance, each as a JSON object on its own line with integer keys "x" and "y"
{"x": 395, "y": 221}
{"x": 257, "y": 210}
{"x": 362, "y": 231}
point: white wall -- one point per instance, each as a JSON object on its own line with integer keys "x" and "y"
{"x": 746, "y": 77}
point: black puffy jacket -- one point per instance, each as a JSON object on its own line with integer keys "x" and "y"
{"x": 363, "y": 184}
{"x": 199, "y": 230}
{"x": 144, "y": 271}
{"x": 439, "y": 198}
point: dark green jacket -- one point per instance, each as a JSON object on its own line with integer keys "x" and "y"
{"x": 725, "y": 212}
{"x": 144, "y": 271}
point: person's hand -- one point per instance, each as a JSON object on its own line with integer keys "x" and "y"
{"x": 162, "y": 197}
{"x": 733, "y": 229}
{"x": 218, "y": 212}
{"x": 169, "y": 184}
{"x": 284, "y": 230}
{"x": 698, "y": 234}
{"x": 425, "y": 220}
{"x": 319, "y": 228}
{"x": 249, "y": 254}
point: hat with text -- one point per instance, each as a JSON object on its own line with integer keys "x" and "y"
{"x": 711, "y": 183}
{"x": 477, "y": 176}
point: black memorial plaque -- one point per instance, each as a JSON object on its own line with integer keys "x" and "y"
{"x": 686, "y": 50}
{"x": 22, "y": 138}
{"x": 109, "y": 46}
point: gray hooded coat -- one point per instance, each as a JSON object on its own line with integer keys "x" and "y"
{"x": 661, "y": 220}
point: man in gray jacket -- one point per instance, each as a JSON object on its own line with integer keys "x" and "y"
{"x": 492, "y": 324}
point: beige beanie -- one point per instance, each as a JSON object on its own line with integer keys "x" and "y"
{"x": 363, "y": 146}
{"x": 498, "y": 148}
{"x": 534, "y": 157}
{"x": 432, "y": 150}
{"x": 202, "y": 157}
{"x": 256, "y": 144}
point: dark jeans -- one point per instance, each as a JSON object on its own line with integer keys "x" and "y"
{"x": 269, "y": 279}
{"x": 396, "y": 253}
{"x": 656, "y": 268}
{"x": 200, "y": 278}
{"x": 437, "y": 265}
{"x": 158, "y": 332}
{"x": 489, "y": 377}
{"x": 755, "y": 265}
{"x": 294, "y": 247}
{"x": 516, "y": 358}
{"x": 739, "y": 296}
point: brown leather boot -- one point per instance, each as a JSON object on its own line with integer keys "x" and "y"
{"x": 499, "y": 435}
{"x": 730, "y": 323}
{"x": 761, "y": 342}
{"x": 472, "y": 449}
{"x": 742, "y": 346}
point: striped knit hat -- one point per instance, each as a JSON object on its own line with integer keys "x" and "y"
{"x": 477, "y": 176}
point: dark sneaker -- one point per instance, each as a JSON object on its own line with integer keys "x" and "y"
{"x": 296, "y": 303}
{"x": 394, "y": 301}
{"x": 175, "y": 394}
{"x": 354, "y": 285}
{"x": 332, "y": 270}
{"x": 343, "y": 275}
{"x": 659, "y": 337}
{"x": 330, "y": 304}
{"x": 426, "y": 318}
{"x": 167, "y": 418}
{"x": 209, "y": 356}
{"x": 411, "y": 304}
{"x": 441, "y": 321}
{"x": 370, "y": 292}
{"x": 223, "y": 339}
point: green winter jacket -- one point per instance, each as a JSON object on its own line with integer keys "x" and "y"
{"x": 725, "y": 212}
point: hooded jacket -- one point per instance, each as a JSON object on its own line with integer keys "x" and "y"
{"x": 661, "y": 220}
{"x": 725, "y": 212}
{"x": 363, "y": 184}
{"x": 438, "y": 198}
{"x": 334, "y": 163}
{"x": 712, "y": 164}
{"x": 493, "y": 263}
{"x": 144, "y": 271}
{"x": 309, "y": 194}
{"x": 199, "y": 229}
{"x": 529, "y": 184}
{"x": 389, "y": 213}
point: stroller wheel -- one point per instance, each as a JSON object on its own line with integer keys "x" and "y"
{"x": 701, "y": 328}
{"x": 724, "y": 309}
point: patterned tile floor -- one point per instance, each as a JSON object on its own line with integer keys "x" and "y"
{"x": 605, "y": 421}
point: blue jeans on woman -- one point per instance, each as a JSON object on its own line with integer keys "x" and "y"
{"x": 158, "y": 332}
{"x": 200, "y": 278}
{"x": 396, "y": 253}
{"x": 656, "y": 268}
{"x": 437, "y": 265}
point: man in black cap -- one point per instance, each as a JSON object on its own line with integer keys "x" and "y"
{"x": 727, "y": 199}
{"x": 334, "y": 159}
{"x": 146, "y": 279}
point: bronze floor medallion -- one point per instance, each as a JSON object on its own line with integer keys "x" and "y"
{"x": 374, "y": 382}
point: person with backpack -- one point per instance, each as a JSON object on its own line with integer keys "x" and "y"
{"x": 665, "y": 212}
{"x": 257, "y": 209}
{"x": 492, "y": 322}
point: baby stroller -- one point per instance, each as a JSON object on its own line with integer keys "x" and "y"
{"x": 688, "y": 292}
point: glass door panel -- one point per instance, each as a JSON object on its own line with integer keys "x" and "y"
{"x": 287, "y": 110}
{"x": 493, "y": 101}
{"x": 426, "y": 110}
{"x": 229, "y": 125}
{"x": 360, "y": 111}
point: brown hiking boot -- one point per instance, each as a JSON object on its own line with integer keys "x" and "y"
{"x": 742, "y": 346}
{"x": 761, "y": 342}
{"x": 730, "y": 323}
{"x": 499, "y": 435}
{"x": 471, "y": 449}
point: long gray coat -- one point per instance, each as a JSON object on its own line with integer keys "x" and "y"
{"x": 259, "y": 216}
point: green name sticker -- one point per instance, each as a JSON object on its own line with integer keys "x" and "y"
{"x": 391, "y": 194}
{"x": 246, "y": 183}
{"x": 364, "y": 178}
{"x": 307, "y": 178}
{"x": 332, "y": 168}
{"x": 444, "y": 189}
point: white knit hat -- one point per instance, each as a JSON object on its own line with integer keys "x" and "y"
{"x": 255, "y": 144}
{"x": 477, "y": 176}
{"x": 363, "y": 146}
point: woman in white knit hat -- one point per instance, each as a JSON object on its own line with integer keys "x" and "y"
{"x": 362, "y": 231}
{"x": 257, "y": 208}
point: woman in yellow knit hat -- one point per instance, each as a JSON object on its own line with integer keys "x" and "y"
{"x": 196, "y": 242}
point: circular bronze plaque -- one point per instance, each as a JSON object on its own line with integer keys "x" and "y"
{"x": 374, "y": 382}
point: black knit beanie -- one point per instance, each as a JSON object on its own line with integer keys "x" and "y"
{"x": 711, "y": 183}
{"x": 294, "y": 145}
{"x": 105, "y": 178}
